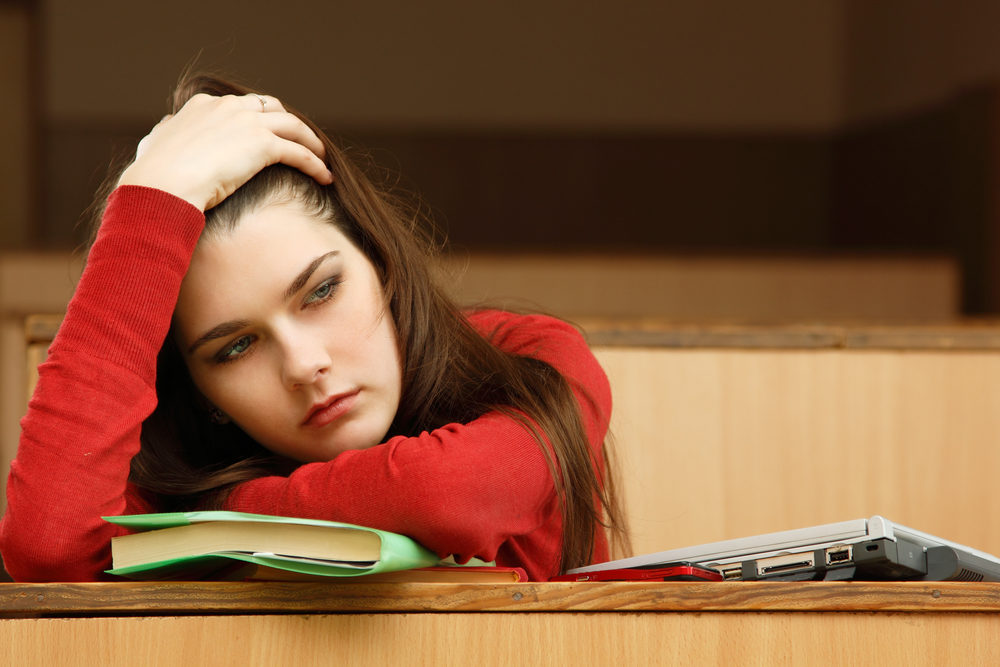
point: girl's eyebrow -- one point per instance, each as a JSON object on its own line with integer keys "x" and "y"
{"x": 303, "y": 278}
{"x": 232, "y": 326}
{"x": 224, "y": 329}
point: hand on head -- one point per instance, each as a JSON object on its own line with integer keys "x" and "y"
{"x": 213, "y": 145}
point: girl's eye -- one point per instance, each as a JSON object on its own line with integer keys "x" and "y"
{"x": 234, "y": 351}
{"x": 322, "y": 293}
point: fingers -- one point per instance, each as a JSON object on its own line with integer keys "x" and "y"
{"x": 300, "y": 147}
{"x": 263, "y": 103}
{"x": 213, "y": 145}
{"x": 296, "y": 155}
{"x": 290, "y": 127}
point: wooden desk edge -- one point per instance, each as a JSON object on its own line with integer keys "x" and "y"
{"x": 970, "y": 335}
{"x": 201, "y": 598}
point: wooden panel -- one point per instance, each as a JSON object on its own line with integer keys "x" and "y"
{"x": 648, "y": 332}
{"x": 719, "y": 444}
{"x": 39, "y": 330}
{"x": 36, "y": 353}
{"x": 770, "y": 289}
{"x": 30, "y": 282}
{"x": 968, "y": 335}
{"x": 508, "y": 639}
{"x": 177, "y": 598}
{"x": 37, "y": 282}
{"x": 713, "y": 288}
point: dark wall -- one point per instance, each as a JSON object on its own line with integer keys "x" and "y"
{"x": 554, "y": 190}
{"x": 916, "y": 183}
{"x": 892, "y": 164}
{"x": 923, "y": 182}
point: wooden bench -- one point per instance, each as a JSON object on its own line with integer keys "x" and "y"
{"x": 731, "y": 431}
{"x": 724, "y": 431}
{"x": 699, "y": 288}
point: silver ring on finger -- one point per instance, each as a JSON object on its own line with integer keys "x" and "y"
{"x": 263, "y": 102}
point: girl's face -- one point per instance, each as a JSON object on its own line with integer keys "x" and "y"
{"x": 284, "y": 328}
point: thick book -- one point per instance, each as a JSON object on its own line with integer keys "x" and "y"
{"x": 207, "y": 544}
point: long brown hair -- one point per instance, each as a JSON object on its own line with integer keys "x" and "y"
{"x": 451, "y": 373}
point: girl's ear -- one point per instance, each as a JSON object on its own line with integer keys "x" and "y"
{"x": 215, "y": 415}
{"x": 218, "y": 416}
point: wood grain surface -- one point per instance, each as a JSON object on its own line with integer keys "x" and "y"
{"x": 172, "y": 598}
{"x": 654, "y": 332}
{"x": 507, "y": 640}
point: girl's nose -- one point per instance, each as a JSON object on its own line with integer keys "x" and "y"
{"x": 305, "y": 359}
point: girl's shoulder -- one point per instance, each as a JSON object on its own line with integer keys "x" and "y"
{"x": 540, "y": 336}
{"x": 498, "y": 325}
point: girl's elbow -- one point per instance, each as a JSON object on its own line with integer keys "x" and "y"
{"x": 27, "y": 558}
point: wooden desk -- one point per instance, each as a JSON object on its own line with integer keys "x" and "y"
{"x": 510, "y": 624}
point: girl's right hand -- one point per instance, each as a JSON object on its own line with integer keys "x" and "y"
{"x": 213, "y": 145}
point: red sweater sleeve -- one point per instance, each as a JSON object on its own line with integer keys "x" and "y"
{"x": 478, "y": 489}
{"x": 94, "y": 391}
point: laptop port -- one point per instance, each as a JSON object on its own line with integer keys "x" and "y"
{"x": 783, "y": 564}
{"x": 732, "y": 573}
{"x": 838, "y": 555}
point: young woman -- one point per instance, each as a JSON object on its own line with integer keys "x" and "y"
{"x": 257, "y": 329}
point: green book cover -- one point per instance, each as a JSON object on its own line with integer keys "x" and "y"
{"x": 387, "y": 551}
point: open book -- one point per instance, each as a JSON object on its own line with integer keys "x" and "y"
{"x": 211, "y": 544}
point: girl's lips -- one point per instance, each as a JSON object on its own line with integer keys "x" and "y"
{"x": 330, "y": 410}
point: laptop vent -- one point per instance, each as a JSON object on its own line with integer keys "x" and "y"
{"x": 967, "y": 575}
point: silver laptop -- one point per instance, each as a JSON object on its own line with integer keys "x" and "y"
{"x": 863, "y": 549}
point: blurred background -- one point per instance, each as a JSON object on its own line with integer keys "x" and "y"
{"x": 692, "y": 161}
{"x": 781, "y": 127}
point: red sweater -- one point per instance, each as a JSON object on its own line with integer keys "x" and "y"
{"x": 477, "y": 489}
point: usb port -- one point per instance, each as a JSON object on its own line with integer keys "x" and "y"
{"x": 838, "y": 555}
{"x": 732, "y": 573}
